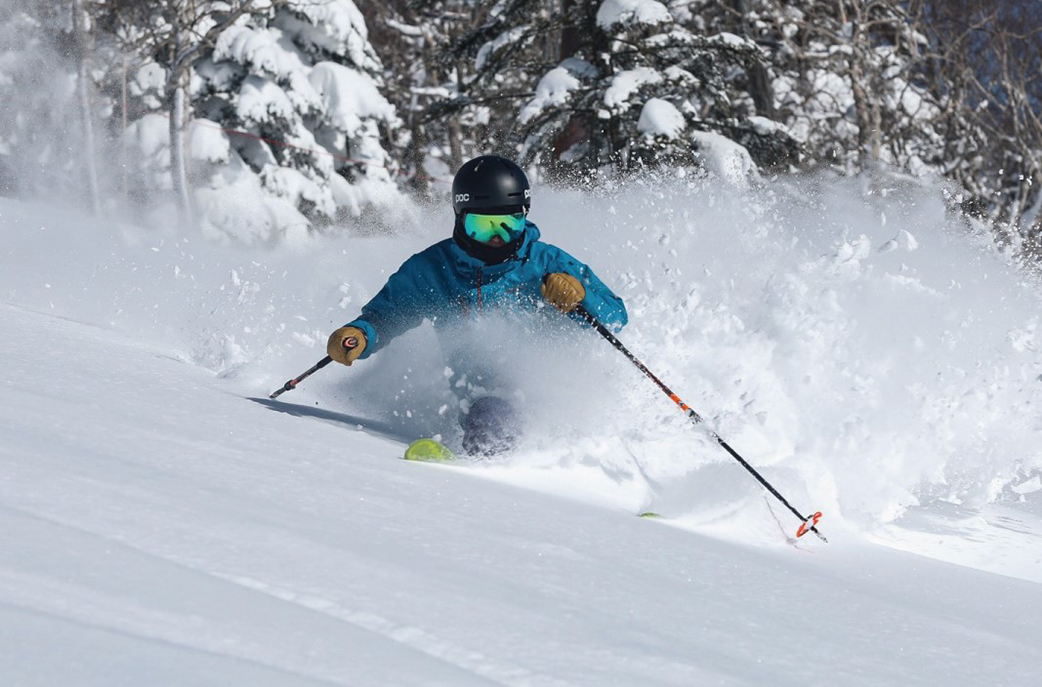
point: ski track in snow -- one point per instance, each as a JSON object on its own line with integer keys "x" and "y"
{"x": 473, "y": 662}
{"x": 42, "y": 600}
{"x": 157, "y": 520}
{"x": 495, "y": 671}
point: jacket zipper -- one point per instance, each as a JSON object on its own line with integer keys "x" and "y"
{"x": 479, "y": 288}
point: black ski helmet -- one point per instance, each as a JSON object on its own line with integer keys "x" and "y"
{"x": 490, "y": 182}
{"x": 493, "y": 185}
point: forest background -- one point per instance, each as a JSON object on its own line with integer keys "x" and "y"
{"x": 267, "y": 120}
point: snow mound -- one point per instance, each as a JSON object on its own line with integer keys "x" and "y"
{"x": 261, "y": 100}
{"x": 208, "y": 143}
{"x": 268, "y": 52}
{"x": 336, "y": 26}
{"x": 632, "y": 12}
{"x": 626, "y": 83}
{"x": 660, "y": 118}
{"x": 552, "y": 91}
{"x": 723, "y": 157}
{"x": 353, "y": 98}
{"x": 498, "y": 43}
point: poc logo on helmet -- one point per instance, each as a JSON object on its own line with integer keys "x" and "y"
{"x": 528, "y": 193}
{"x": 462, "y": 197}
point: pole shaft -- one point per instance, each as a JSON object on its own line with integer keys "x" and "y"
{"x": 695, "y": 417}
{"x": 349, "y": 343}
{"x": 292, "y": 384}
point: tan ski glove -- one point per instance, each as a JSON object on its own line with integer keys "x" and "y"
{"x": 563, "y": 290}
{"x": 345, "y": 354}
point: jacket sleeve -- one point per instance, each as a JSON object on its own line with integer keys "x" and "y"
{"x": 398, "y": 307}
{"x": 600, "y": 301}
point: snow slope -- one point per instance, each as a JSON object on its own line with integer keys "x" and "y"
{"x": 163, "y": 523}
{"x": 159, "y": 529}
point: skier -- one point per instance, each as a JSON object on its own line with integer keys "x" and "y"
{"x": 494, "y": 261}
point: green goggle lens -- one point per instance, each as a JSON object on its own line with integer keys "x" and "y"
{"x": 484, "y": 228}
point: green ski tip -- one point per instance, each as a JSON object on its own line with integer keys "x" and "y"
{"x": 429, "y": 451}
{"x": 649, "y": 514}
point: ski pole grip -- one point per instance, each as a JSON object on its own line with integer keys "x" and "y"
{"x": 350, "y": 342}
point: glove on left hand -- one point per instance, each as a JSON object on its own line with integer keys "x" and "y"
{"x": 563, "y": 290}
{"x": 338, "y": 351}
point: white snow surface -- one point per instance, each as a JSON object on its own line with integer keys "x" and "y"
{"x": 660, "y": 117}
{"x": 632, "y": 12}
{"x": 626, "y": 83}
{"x": 351, "y": 97}
{"x": 874, "y": 359}
{"x": 261, "y": 100}
{"x": 764, "y": 126}
{"x": 267, "y": 52}
{"x": 724, "y": 158}
{"x": 336, "y": 26}
{"x": 496, "y": 44}
{"x": 552, "y": 91}
{"x": 732, "y": 40}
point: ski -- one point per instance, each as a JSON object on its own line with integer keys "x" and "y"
{"x": 429, "y": 451}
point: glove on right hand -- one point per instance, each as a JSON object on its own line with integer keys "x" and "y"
{"x": 346, "y": 354}
{"x": 563, "y": 290}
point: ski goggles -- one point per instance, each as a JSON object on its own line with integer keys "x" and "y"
{"x": 484, "y": 228}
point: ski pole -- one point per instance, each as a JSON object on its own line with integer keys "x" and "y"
{"x": 808, "y": 523}
{"x": 349, "y": 343}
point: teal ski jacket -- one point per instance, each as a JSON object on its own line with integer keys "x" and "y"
{"x": 444, "y": 284}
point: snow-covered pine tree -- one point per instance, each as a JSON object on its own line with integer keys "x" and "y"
{"x": 409, "y": 36}
{"x": 640, "y": 88}
{"x": 174, "y": 34}
{"x": 580, "y": 84}
{"x": 290, "y": 130}
{"x": 304, "y": 83}
{"x": 494, "y": 64}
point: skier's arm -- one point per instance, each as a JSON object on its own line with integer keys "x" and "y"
{"x": 397, "y": 308}
{"x": 599, "y": 300}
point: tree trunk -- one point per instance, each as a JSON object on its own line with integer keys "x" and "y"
{"x": 418, "y": 151}
{"x": 178, "y": 171}
{"x": 760, "y": 87}
{"x": 455, "y": 143}
{"x": 867, "y": 134}
{"x": 570, "y": 38}
{"x": 83, "y": 92}
{"x": 863, "y": 111}
{"x": 580, "y": 23}
{"x": 455, "y": 130}
{"x": 1030, "y": 217}
{"x": 123, "y": 135}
